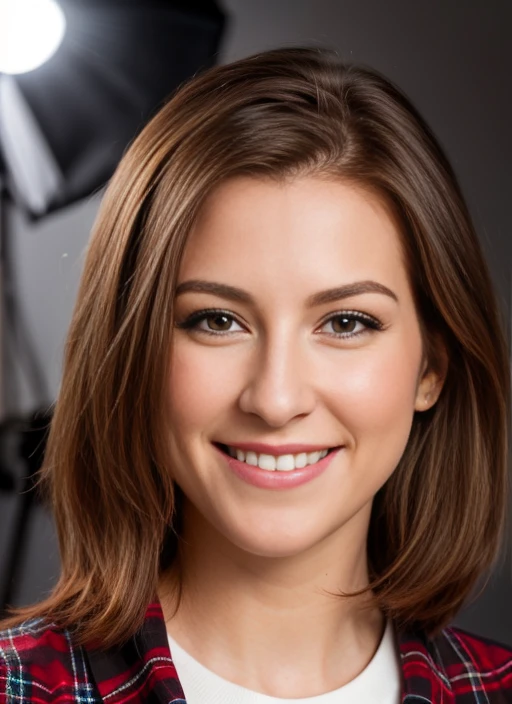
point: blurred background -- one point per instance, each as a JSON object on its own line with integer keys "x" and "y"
{"x": 84, "y": 80}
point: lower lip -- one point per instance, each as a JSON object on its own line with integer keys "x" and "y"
{"x": 266, "y": 479}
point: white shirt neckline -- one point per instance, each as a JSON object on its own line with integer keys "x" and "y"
{"x": 378, "y": 683}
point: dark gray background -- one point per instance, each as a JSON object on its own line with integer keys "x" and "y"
{"x": 453, "y": 59}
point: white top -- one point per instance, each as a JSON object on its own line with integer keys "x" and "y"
{"x": 378, "y": 683}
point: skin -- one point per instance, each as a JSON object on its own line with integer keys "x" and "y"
{"x": 260, "y": 568}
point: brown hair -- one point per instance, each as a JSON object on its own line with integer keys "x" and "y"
{"x": 438, "y": 522}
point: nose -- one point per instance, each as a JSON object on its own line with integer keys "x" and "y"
{"x": 280, "y": 385}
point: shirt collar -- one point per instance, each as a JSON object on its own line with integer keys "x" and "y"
{"x": 142, "y": 669}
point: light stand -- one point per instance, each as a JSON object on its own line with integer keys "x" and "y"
{"x": 22, "y": 438}
{"x": 63, "y": 129}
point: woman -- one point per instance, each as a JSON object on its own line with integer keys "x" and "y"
{"x": 278, "y": 460}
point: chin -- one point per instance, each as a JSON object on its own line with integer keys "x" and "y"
{"x": 273, "y": 550}
{"x": 274, "y": 544}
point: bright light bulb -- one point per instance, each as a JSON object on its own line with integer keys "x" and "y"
{"x": 30, "y": 33}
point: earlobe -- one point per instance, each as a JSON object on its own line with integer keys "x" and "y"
{"x": 428, "y": 392}
{"x": 432, "y": 381}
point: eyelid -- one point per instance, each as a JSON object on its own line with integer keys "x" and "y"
{"x": 356, "y": 313}
{"x": 372, "y": 324}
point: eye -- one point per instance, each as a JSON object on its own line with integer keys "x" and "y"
{"x": 347, "y": 322}
{"x": 219, "y": 323}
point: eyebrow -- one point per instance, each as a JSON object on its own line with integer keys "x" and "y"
{"x": 328, "y": 296}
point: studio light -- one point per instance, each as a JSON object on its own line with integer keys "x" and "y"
{"x": 78, "y": 81}
{"x": 31, "y": 31}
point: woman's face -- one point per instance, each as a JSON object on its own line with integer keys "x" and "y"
{"x": 278, "y": 368}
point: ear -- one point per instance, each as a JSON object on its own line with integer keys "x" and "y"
{"x": 432, "y": 377}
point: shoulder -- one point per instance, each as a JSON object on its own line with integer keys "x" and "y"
{"x": 40, "y": 663}
{"x": 474, "y": 664}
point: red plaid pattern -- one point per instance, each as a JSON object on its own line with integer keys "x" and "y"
{"x": 40, "y": 664}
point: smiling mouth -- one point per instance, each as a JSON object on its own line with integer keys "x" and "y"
{"x": 301, "y": 465}
{"x": 225, "y": 450}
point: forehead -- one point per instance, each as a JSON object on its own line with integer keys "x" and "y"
{"x": 309, "y": 228}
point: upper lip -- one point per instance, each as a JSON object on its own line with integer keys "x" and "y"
{"x": 290, "y": 449}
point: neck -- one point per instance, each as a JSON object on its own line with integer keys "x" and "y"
{"x": 240, "y": 613}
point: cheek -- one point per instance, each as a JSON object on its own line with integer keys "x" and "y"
{"x": 375, "y": 397}
{"x": 373, "y": 393}
{"x": 197, "y": 388}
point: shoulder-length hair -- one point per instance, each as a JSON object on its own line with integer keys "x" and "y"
{"x": 437, "y": 524}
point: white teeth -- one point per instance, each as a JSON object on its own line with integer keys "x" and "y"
{"x": 282, "y": 463}
{"x": 285, "y": 463}
{"x": 251, "y": 458}
{"x": 267, "y": 462}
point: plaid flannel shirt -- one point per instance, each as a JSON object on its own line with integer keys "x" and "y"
{"x": 39, "y": 663}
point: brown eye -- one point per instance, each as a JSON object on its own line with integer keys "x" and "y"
{"x": 210, "y": 322}
{"x": 345, "y": 324}
{"x": 221, "y": 322}
{"x": 218, "y": 323}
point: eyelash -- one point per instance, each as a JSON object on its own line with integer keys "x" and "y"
{"x": 191, "y": 323}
